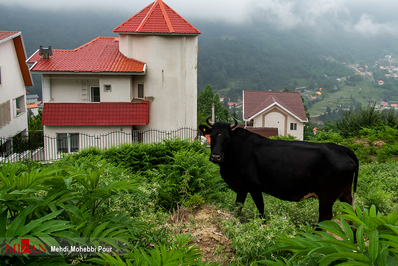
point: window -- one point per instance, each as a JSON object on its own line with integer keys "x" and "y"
{"x": 107, "y": 88}
{"x": 140, "y": 90}
{"x": 95, "y": 94}
{"x": 0, "y": 75}
{"x": 62, "y": 142}
{"x": 293, "y": 126}
{"x": 5, "y": 113}
{"x": 67, "y": 142}
{"x": 19, "y": 105}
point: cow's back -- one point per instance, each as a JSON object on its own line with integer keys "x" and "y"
{"x": 287, "y": 169}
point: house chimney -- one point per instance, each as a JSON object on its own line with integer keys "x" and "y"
{"x": 45, "y": 52}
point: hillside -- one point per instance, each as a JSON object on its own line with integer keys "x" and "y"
{"x": 232, "y": 57}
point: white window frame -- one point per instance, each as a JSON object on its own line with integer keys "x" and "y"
{"x": 19, "y": 105}
{"x": 142, "y": 93}
{"x": 107, "y": 88}
{"x": 68, "y": 142}
{"x": 92, "y": 96}
{"x": 293, "y": 126}
{"x": 0, "y": 75}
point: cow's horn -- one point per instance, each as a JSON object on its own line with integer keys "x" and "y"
{"x": 235, "y": 123}
{"x": 209, "y": 122}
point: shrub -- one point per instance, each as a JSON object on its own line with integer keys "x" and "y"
{"x": 351, "y": 123}
{"x": 378, "y": 185}
{"x": 50, "y": 203}
{"x": 251, "y": 238}
{"x": 283, "y": 137}
{"x": 374, "y": 243}
{"x": 180, "y": 170}
{"x": 177, "y": 252}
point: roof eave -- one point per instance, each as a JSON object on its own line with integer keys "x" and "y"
{"x": 158, "y": 33}
{"x": 90, "y": 73}
{"x": 21, "y": 55}
{"x": 280, "y": 106}
{"x": 10, "y": 37}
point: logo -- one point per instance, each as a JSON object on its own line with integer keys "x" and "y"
{"x": 25, "y": 248}
{"x": 70, "y": 247}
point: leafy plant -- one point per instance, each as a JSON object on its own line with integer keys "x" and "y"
{"x": 351, "y": 123}
{"x": 50, "y": 205}
{"x": 373, "y": 242}
{"x": 177, "y": 252}
{"x": 251, "y": 238}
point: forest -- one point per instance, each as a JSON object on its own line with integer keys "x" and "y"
{"x": 231, "y": 58}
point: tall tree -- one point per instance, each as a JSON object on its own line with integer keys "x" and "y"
{"x": 205, "y": 100}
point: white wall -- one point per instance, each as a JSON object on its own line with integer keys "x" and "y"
{"x": 278, "y": 118}
{"x": 12, "y": 87}
{"x": 121, "y": 88}
{"x": 171, "y": 77}
{"x": 76, "y": 88}
{"x": 299, "y": 133}
{"x": 90, "y": 136}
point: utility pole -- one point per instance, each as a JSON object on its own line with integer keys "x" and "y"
{"x": 213, "y": 116}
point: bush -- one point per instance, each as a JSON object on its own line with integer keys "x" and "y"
{"x": 378, "y": 185}
{"x": 50, "y": 203}
{"x": 351, "y": 123}
{"x": 251, "y": 238}
{"x": 179, "y": 170}
{"x": 374, "y": 243}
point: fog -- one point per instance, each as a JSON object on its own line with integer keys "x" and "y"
{"x": 368, "y": 17}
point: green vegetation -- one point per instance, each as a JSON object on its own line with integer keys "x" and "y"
{"x": 128, "y": 195}
{"x": 96, "y": 198}
{"x": 373, "y": 242}
{"x": 205, "y": 101}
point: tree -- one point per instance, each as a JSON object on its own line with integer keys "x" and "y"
{"x": 205, "y": 100}
{"x": 34, "y": 121}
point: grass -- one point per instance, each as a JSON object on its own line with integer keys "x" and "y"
{"x": 378, "y": 185}
{"x": 364, "y": 92}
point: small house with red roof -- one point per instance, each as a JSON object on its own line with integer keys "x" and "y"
{"x": 14, "y": 78}
{"x": 274, "y": 109}
{"x": 146, "y": 78}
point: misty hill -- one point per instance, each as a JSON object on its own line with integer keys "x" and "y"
{"x": 231, "y": 58}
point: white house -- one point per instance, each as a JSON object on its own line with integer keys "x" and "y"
{"x": 144, "y": 79}
{"x": 274, "y": 109}
{"x": 14, "y": 78}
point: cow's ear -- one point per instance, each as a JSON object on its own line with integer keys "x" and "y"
{"x": 238, "y": 131}
{"x": 205, "y": 130}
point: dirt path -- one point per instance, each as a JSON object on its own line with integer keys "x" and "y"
{"x": 204, "y": 225}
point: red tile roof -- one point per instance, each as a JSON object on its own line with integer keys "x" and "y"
{"x": 100, "y": 55}
{"x": 33, "y": 105}
{"x": 257, "y": 102}
{"x": 157, "y": 18}
{"x": 7, "y": 35}
{"x": 16, "y": 36}
{"x": 96, "y": 114}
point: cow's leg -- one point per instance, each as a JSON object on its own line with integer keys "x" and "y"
{"x": 346, "y": 196}
{"x": 240, "y": 200}
{"x": 325, "y": 209}
{"x": 258, "y": 200}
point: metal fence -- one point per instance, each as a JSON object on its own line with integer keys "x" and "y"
{"x": 39, "y": 147}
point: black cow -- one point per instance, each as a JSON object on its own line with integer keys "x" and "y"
{"x": 288, "y": 170}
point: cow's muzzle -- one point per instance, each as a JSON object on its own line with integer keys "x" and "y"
{"x": 215, "y": 158}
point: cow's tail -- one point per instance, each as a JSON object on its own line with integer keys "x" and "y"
{"x": 355, "y": 185}
{"x": 355, "y": 159}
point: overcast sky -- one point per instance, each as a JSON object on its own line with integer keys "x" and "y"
{"x": 368, "y": 17}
